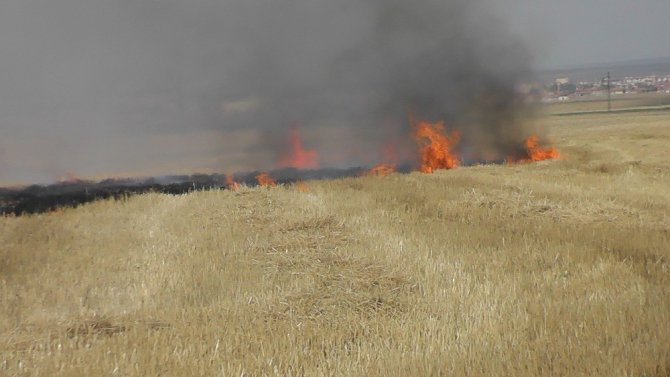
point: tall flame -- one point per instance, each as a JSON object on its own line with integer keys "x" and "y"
{"x": 298, "y": 156}
{"x": 265, "y": 180}
{"x": 435, "y": 147}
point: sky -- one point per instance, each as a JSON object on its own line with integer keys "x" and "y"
{"x": 100, "y": 88}
{"x": 571, "y": 33}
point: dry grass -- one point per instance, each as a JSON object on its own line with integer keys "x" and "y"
{"x": 555, "y": 268}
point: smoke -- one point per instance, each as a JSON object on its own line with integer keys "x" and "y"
{"x": 3, "y": 160}
{"x": 346, "y": 73}
{"x": 371, "y": 65}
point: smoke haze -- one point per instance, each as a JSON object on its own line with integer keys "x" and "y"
{"x": 125, "y": 87}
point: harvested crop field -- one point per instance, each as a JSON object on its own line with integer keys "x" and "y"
{"x": 553, "y": 268}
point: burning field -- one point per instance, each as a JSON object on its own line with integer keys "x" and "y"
{"x": 436, "y": 150}
{"x": 244, "y": 87}
{"x": 402, "y": 86}
{"x": 385, "y": 201}
{"x": 524, "y": 269}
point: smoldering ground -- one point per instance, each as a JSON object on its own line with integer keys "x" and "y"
{"x": 98, "y": 77}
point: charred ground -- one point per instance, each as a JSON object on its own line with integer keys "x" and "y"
{"x": 44, "y": 198}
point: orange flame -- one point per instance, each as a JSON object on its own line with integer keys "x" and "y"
{"x": 298, "y": 156}
{"x": 301, "y": 186}
{"x": 537, "y": 153}
{"x": 265, "y": 180}
{"x": 231, "y": 183}
{"x": 435, "y": 147}
{"x": 382, "y": 170}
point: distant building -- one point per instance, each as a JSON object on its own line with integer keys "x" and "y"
{"x": 562, "y": 89}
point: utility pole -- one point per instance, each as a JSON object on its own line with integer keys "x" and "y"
{"x": 609, "y": 93}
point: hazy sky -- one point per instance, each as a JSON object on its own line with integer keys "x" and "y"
{"x": 108, "y": 87}
{"x": 575, "y": 32}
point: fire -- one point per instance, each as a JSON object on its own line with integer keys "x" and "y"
{"x": 301, "y": 186}
{"x": 298, "y": 156}
{"x": 382, "y": 170}
{"x": 435, "y": 147}
{"x": 538, "y": 153}
{"x": 231, "y": 183}
{"x": 264, "y": 179}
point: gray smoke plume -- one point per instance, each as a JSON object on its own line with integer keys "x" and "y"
{"x": 102, "y": 84}
{"x": 368, "y": 65}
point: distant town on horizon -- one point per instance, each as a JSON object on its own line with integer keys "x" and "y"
{"x": 631, "y": 77}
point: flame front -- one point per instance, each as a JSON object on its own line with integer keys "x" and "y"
{"x": 435, "y": 148}
{"x": 382, "y": 170}
{"x": 231, "y": 183}
{"x": 265, "y": 180}
{"x": 298, "y": 156}
{"x": 538, "y": 153}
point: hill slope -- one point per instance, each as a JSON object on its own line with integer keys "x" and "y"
{"x": 554, "y": 268}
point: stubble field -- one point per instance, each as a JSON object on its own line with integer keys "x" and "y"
{"x": 554, "y": 268}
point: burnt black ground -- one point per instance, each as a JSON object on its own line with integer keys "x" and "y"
{"x": 44, "y": 198}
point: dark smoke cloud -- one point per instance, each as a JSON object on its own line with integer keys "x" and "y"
{"x": 368, "y": 64}
{"x": 88, "y": 71}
